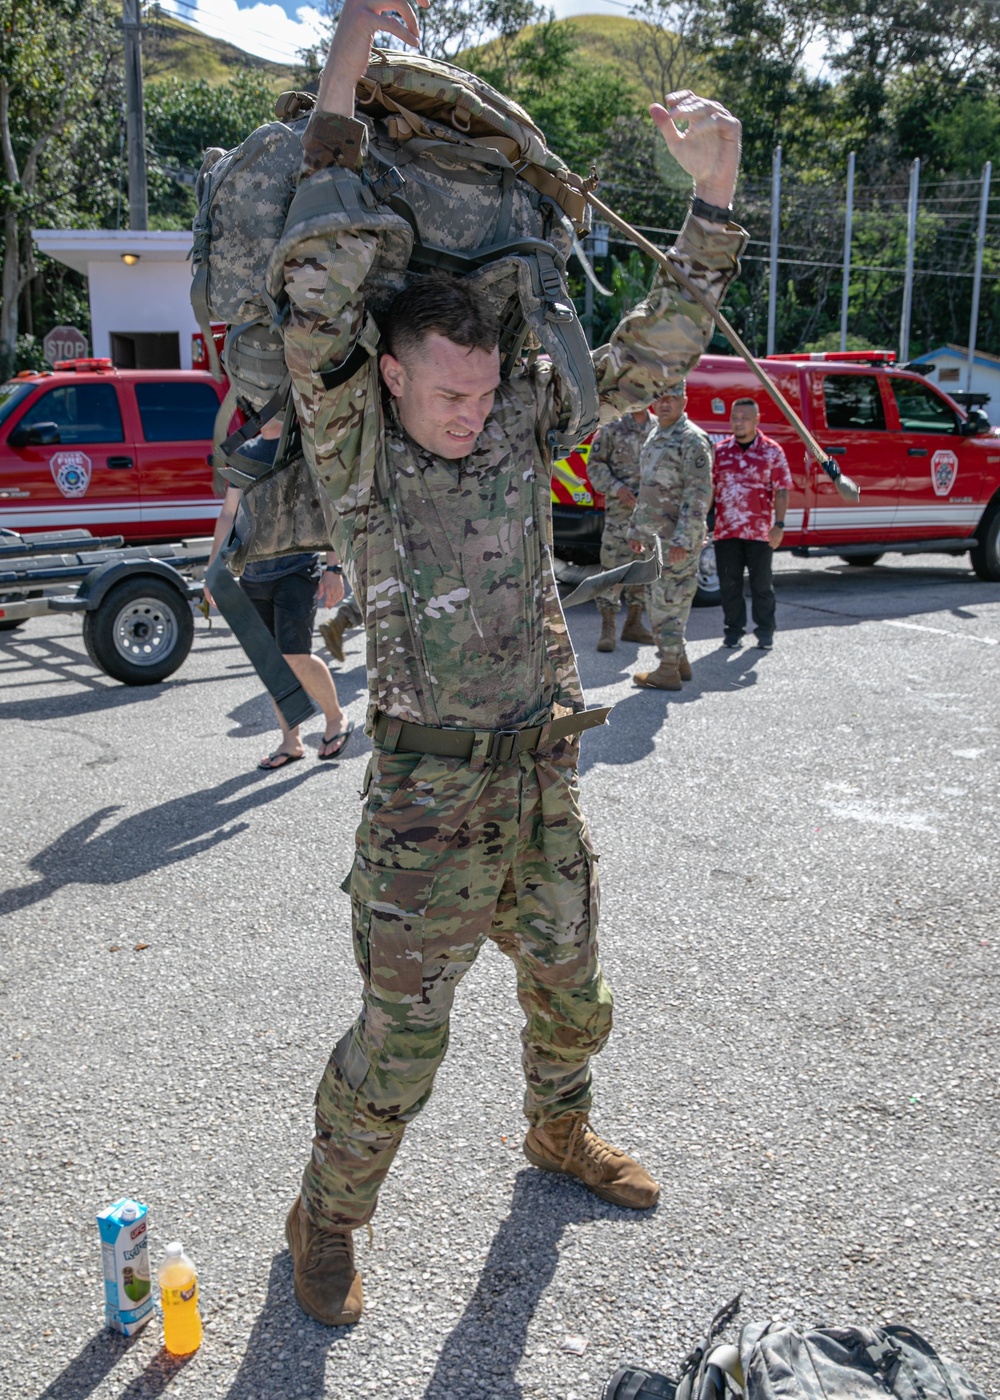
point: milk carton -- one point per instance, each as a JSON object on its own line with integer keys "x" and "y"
{"x": 128, "y": 1301}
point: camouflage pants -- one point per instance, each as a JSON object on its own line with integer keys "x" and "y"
{"x": 448, "y": 855}
{"x": 673, "y": 594}
{"x": 614, "y": 552}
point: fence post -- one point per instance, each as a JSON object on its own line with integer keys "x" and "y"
{"x": 911, "y": 241}
{"x": 848, "y": 225}
{"x": 772, "y": 291}
{"x": 977, "y": 280}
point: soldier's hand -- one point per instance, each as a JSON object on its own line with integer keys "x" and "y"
{"x": 350, "y": 48}
{"x": 636, "y": 547}
{"x": 626, "y": 496}
{"x": 704, "y": 139}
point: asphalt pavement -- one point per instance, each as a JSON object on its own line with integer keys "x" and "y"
{"x": 799, "y": 863}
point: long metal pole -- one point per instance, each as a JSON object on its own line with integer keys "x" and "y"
{"x": 772, "y": 290}
{"x": 846, "y": 488}
{"x": 911, "y": 243}
{"x": 848, "y": 227}
{"x": 138, "y": 200}
{"x": 977, "y": 280}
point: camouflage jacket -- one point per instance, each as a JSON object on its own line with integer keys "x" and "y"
{"x": 614, "y": 458}
{"x": 675, "y": 489}
{"x": 450, "y": 559}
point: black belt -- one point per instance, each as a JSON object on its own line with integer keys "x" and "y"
{"x": 495, "y": 745}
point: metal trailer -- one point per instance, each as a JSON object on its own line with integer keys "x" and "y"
{"x": 136, "y": 602}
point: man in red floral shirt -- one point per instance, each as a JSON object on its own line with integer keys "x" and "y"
{"x": 751, "y": 482}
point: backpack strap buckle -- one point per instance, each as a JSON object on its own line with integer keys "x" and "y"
{"x": 386, "y": 185}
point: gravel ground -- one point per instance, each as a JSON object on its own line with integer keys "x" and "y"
{"x": 797, "y": 860}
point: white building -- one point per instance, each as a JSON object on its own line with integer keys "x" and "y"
{"x": 950, "y": 373}
{"x": 140, "y": 285}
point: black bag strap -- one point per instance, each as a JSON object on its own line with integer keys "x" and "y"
{"x": 260, "y": 647}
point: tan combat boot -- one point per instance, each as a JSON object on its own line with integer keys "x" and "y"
{"x": 684, "y": 666}
{"x": 607, "y": 638}
{"x": 327, "y": 1285}
{"x": 633, "y": 631}
{"x": 667, "y": 676}
{"x": 569, "y": 1144}
{"x": 332, "y": 632}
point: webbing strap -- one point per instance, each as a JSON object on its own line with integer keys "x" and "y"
{"x": 496, "y": 745}
{"x": 256, "y": 640}
{"x": 340, "y": 374}
{"x": 641, "y": 571}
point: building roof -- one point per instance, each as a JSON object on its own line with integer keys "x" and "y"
{"x": 78, "y": 248}
{"x": 958, "y": 352}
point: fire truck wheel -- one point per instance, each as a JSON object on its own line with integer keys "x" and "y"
{"x": 707, "y": 594}
{"x": 141, "y": 631}
{"x": 985, "y": 556}
{"x": 861, "y": 561}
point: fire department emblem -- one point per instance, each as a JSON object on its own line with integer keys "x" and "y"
{"x": 944, "y": 469}
{"x": 71, "y": 472}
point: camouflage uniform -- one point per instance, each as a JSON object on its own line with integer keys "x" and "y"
{"x": 451, "y": 566}
{"x": 613, "y": 463}
{"x": 675, "y": 492}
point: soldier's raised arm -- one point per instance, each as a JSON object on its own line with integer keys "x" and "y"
{"x": 662, "y": 338}
{"x": 330, "y": 242}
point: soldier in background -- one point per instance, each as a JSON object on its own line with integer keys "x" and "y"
{"x": 675, "y": 492}
{"x": 345, "y": 619}
{"x": 613, "y": 469}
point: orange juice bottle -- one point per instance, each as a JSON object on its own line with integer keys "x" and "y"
{"x": 179, "y": 1299}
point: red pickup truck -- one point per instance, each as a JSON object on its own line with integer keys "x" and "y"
{"x": 115, "y": 451}
{"x": 929, "y": 470}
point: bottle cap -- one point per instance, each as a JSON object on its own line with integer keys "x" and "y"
{"x": 129, "y": 1210}
{"x": 174, "y": 1249}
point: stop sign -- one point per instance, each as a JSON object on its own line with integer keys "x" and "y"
{"x": 64, "y": 343}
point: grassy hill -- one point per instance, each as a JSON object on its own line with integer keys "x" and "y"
{"x": 173, "y": 49}
{"x": 603, "y": 39}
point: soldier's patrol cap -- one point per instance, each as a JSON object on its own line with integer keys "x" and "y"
{"x": 676, "y": 391}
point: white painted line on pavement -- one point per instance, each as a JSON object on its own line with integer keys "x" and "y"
{"x": 942, "y": 632}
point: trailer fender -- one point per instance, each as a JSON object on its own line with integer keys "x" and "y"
{"x": 95, "y": 586}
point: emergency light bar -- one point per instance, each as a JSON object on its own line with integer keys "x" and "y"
{"x": 857, "y": 357}
{"x": 82, "y": 366}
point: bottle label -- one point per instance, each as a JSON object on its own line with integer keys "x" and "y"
{"x": 177, "y": 1297}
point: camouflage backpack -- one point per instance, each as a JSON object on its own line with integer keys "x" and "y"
{"x": 434, "y": 132}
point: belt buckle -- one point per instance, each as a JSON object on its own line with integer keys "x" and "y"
{"x": 500, "y": 751}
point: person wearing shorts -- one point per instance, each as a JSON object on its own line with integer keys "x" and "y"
{"x": 285, "y": 593}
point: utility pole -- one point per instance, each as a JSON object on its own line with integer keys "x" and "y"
{"x": 138, "y": 202}
{"x": 911, "y": 243}
{"x": 848, "y": 228}
{"x": 977, "y": 281}
{"x": 772, "y": 290}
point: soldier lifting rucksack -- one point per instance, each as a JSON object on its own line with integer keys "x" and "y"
{"x": 434, "y": 131}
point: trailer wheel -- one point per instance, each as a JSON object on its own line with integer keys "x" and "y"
{"x": 985, "y": 556}
{"x": 140, "y": 632}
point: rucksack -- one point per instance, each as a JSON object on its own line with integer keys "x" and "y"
{"x": 434, "y": 131}
{"x": 776, "y": 1361}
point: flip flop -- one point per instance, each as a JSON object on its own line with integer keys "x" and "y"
{"x": 270, "y": 765}
{"x": 340, "y": 740}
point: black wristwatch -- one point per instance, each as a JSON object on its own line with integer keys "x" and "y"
{"x": 714, "y": 213}
{"x": 779, "y": 524}
{"x": 332, "y": 569}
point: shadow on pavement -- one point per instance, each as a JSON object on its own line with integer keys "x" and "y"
{"x": 99, "y": 1357}
{"x": 286, "y": 1354}
{"x": 485, "y": 1348}
{"x": 160, "y": 836}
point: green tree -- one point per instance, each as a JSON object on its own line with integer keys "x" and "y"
{"x": 60, "y": 102}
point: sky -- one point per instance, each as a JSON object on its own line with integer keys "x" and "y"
{"x": 279, "y": 31}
